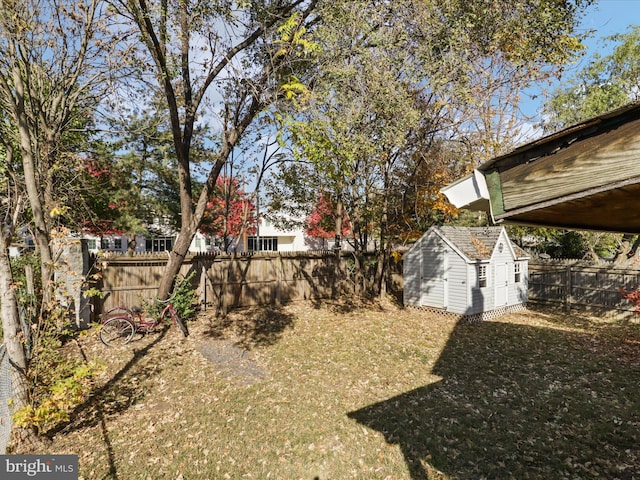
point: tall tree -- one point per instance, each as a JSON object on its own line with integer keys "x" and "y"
{"x": 450, "y": 84}
{"x": 52, "y": 56}
{"x": 239, "y": 57}
{"x": 12, "y": 202}
{"x": 53, "y": 66}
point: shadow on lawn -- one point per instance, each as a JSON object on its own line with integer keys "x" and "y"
{"x": 118, "y": 394}
{"x": 517, "y": 401}
{"x": 256, "y": 326}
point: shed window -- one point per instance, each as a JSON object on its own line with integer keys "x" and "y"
{"x": 482, "y": 276}
{"x": 516, "y": 272}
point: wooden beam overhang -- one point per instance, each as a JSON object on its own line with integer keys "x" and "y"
{"x": 612, "y": 208}
{"x": 584, "y": 177}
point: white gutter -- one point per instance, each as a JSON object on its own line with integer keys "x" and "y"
{"x": 469, "y": 192}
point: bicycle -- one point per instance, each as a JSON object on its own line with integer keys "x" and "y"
{"x": 121, "y": 323}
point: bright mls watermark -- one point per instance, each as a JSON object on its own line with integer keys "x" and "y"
{"x": 50, "y": 467}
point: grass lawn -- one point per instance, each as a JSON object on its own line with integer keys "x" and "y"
{"x": 306, "y": 392}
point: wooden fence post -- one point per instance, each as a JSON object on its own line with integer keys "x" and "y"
{"x": 203, "y": 288}
{"x": 568, "y": 289}
{"x": 226, "y": 273}
{"x": 279, "y": 273}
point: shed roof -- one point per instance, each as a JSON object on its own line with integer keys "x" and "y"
{"x": 477, "y": 243}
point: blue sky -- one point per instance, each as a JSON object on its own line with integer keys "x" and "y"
{"x": 605, "y": 18}
{"x": 611, "y": 16}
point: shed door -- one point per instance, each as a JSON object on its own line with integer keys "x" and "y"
{"x": 433, "y": 279}
{"x": 502, "y": 284}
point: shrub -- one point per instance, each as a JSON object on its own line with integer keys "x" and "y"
{"x": 183, "y": 299}
{"x": 184, "y": 296}
{"x": 633, "y": 297}
{"x": 58, "y": 383}
{"x": 55, "y": 402}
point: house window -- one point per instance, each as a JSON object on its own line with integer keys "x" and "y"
{"x": 516, "y": 271}
{"x": 91, "y": 244}
{"x": 117, "y": 244}
{"x": 269, "y": 244}
{"x": 104, "y": 244}
{"x": 161, "y": 244}
{"x": 482, "y": 276}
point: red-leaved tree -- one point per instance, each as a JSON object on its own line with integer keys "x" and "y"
{"x": 633, "y": 297}
{"x": 322, "y": 222}
{"x": 230, "y": 212}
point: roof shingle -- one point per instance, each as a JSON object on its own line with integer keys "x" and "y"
{"x": 477, "y": 243}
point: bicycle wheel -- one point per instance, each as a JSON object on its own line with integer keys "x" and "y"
{"x": 118, "y": 311}
{"x": 117, "y": 331}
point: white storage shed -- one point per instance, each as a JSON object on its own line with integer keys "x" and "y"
{"x": 475, "y": 272}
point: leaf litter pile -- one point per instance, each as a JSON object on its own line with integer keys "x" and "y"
{"x": 376, "y": 392}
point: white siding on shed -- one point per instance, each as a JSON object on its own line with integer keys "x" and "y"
{"x": 519, "y": 291}
{"x": 481, "y": 297}
{"x": 411, "y": 265}
{"x": 441, "y": 270}
{"x": 456, "y": 284}
{"x": 435, "y": 268}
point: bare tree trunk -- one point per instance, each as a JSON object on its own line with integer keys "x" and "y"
{"x": 621, "y": 256}
{"x": 338, "y": 219}
{"x": 41, "y": 232}
{"x": 13, "y": 341}
{"x": 131, "y": 243}
{"x": 176, "y": 259}
{"x": 383, "y": 255}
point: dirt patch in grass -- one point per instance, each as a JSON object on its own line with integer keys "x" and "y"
{"x": 370, "y": 392}
{"x": 232, "y": 361}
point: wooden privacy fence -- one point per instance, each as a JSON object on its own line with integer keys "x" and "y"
{"x": 263, "y": 279}
{"x": 227, "y": 281}
{"x": 230, "y": 281}
{"x": 587, "y": 287}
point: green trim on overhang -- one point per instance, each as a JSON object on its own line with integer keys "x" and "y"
{"x": 494, "y": 185}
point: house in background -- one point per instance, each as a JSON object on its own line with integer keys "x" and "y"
{"x": 475, "y": 272}
{"x": 270, "y": 237}
{"x": 161, "y": 238}
{"x": 117, "y": 243}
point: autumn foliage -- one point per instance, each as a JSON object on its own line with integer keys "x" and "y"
{"x": 230, "y": 211}
{"x": 633, "y": 297}
{"x": 321, "y": 223}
